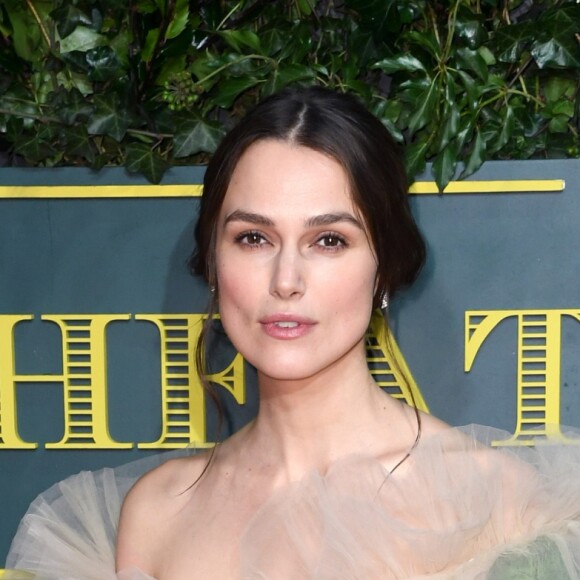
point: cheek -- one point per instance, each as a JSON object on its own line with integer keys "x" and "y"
{"x": 229, "y": 279}
{"x": 236, "y": 294}
{"x": 354, "y": 295}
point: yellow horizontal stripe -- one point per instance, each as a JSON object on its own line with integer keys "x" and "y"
{"x": 98, "y": 191}
{"x": 146, "y": 191}
{"x": 499, "y": 186}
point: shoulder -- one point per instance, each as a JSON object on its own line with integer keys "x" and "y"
{"x": 468, "y": 451}
{"x": 466, "y": 459}
{"x": 149, "y": 506}
{"x": 430, "y": 425}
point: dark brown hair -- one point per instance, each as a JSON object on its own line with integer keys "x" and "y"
{"x": 339, "y": 126}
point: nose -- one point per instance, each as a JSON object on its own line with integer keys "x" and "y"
{"x": 287, "y": 279}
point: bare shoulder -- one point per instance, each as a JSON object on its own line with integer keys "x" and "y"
{"x": 464, "y": 446}
{"x": 148, "y": 507}
{"x": 431, "y": 425}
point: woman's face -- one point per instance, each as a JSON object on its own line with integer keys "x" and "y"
{"x": 295, "y": 271}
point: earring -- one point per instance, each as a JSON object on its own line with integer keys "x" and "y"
{"x": 212, "y": 289}
{"x": 384, "y": 301}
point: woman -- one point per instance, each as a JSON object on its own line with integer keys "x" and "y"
{"x": 288, "y": 227}
{"x": 304, "y": 229}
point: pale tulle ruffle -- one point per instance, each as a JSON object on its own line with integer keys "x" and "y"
{"x": 455, "y": 509}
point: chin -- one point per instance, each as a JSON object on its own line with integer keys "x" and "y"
{"x": 291, "y": 368}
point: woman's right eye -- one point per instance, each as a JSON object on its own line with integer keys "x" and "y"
{"x": 253, "y": 239}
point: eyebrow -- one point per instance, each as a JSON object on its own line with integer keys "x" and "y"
{"x": 325, "y": 219}
{"x": 328, "y": 219}
{"x": 247, "y": 216}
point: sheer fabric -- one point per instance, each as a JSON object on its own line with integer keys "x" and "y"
{"x": 455, "y": 509}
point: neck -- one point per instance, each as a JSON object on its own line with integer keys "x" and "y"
{"x": 309, "y": 423}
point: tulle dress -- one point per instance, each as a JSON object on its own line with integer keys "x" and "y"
{"x": 456, "y": 509}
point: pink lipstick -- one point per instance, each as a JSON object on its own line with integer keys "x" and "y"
{"x": 285, "y": 326}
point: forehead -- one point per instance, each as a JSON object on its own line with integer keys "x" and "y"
{"x": 278, "y": 177}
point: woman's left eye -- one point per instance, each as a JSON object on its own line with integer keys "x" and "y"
{"x": 331, "y": 241}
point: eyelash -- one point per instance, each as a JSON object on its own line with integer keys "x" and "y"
{"x": 239, "y": 239}
{"x": 242, "y": 240}
{"x": 334, "y": 236}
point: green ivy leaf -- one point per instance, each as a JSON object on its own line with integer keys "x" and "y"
{"x": 70, "y": 105}
{"x": 151, "y": 41}
{"x": 81, "y": 39}
{"x": 171, "y": 66}
{"x": 556, "y": 53}
{"x": 510, "y": 41}
{"x": 559, "y": 124}
{"x": 240, "y": 39}
{"x": 26, "y": 35}
{"x": 34, "y": 149}
{"x": 445, "y": 165}
{"x": 425, "y": 108}
{"x": 476, "y": 157}
{"x": 194, "y": 137}
{"x": 121, "y": 45}
{"x": 466, "y": 126}
{"x": 487, "y": 55}
{"x": 73, "y": 80}
{"x": 18, "y": 104}
{"x": 402, "y": 62}
{"x": 273, "y": 41}
{"x": 565, "y": 108}
{"x": 472, "y": 60}
{"x": 409, "y": 11}
{"x": 110, "y": 117}
{"x": 228, "y": 90}
{"x": 470, "y": 28}
{"x": 532, "y": 123}
{"x": 285, "y": 75}
{"x": 143, "y": 159}
{"x": 388, "y": 112}
{"x": 305, "y": 7}
{"x": 300, "y": 44}
{"x": 67, "y": 17}
{"x": 450, "y": 119}
{"x": 450, "y": 126}
{"x": 557, "y": 45}
{"x": 507, "y": 129}
{"x": 179, "y": 20}
{"x": 410, "y": 91}
{"x": 102, "y": 62}
{"x": 555, "y": 88}
{"x": 471, "y": 89}
{"x": 362, "y": 45}
{"x": 76, "y": 143}
{"x": 426, "y": 40}
{"x": 146, "y": 6}
{"x": 415, "y": 157}
{"x": 380, "y": 16}
{"x": 14, "y": 128}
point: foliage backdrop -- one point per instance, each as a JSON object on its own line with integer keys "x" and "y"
{"x": 153, "y": 83}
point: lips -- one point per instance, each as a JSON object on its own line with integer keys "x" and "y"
{"x": 286, "y": 326}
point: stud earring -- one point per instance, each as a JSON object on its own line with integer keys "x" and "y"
{"x": 384, "y": 301}
{"x": 212, "y": 289}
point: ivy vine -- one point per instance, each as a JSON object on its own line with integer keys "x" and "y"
{"x": 147, "y": 84}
